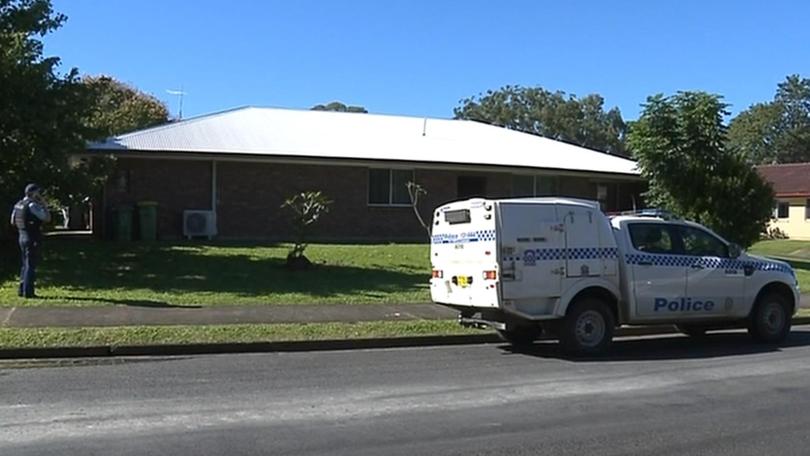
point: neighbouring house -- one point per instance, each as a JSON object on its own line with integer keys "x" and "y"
{"x": 238, "y": 166}
{"x": 791, "y": 185}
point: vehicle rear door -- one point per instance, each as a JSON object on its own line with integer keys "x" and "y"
{"x": 532, "y": 250}
{"x": 658, "y": 269}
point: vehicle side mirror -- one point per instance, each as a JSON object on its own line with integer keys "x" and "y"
{"x": 734, "y": 250}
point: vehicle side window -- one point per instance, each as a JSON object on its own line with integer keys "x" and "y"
{"x": 700, "y": 243}
{"x": 651, "y": 238}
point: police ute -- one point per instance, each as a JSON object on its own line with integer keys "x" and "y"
{"x": 560, "y": 266}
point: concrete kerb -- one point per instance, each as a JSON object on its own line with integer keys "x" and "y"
{"x": 296, "y": 346}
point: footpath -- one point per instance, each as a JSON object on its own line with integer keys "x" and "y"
{"x": 67, "y": 317}
{"x": 64, "y": 317}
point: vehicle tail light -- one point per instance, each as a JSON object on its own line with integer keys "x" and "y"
{"x": 490, "y": 275}
{"x": 438, "y": 274}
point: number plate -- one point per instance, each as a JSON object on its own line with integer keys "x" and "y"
{"x": 463, "y": 281}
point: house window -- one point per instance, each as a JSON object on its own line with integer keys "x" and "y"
{"x": 807, "y": 210}
{"x": 471, "y": 187}
{"x": 389, "y": 187}
{"x": 527, "y": 185}
{"x": 782, "y": 209}
{"x": 522, "y": 185}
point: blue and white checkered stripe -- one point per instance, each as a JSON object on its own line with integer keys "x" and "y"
{"x": 463, "y": 238}
{"x": 584, "y": 253}
{"x": 706, "y": 262}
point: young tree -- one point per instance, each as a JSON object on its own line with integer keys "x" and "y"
{"x": 554, "y": 115}
{"x": 307, "y": 208}
{"x": 415, "y": 191}
{"x": 681, "y": 147}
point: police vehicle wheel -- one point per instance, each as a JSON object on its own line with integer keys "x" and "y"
{"x": 692, "y": 331}
{"x": 587, "y": 328}
{"x": 520, "y": 335}
{"x": 770, "y": 320}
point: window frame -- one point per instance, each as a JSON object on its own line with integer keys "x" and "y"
{"x": 807, "y": 210}
{"x": 683, "y": 228}
{"x": 677, "y": 248}
{"x": 553, "y": 178}
{"x": 390, "y": 170}
{"x": 779, "y": 205}
{"x": 675, "y": 231}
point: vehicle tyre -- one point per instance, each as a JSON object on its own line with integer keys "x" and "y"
{"x": 694, "y": 331}
{"x": 587, "y": 328}
{"x": 520, "y": 336}
{"x": 770, "y": 319}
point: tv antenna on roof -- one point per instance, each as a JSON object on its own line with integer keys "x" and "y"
{"x": 179, "y": 94}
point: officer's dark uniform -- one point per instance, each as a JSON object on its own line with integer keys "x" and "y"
{"x": 29, "y": 227}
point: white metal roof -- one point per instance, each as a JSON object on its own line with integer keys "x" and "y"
{"x": 336, "y": 135}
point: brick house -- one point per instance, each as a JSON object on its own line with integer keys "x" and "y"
{"x": 791, "y": 186}
{"x": 240, "y": 165}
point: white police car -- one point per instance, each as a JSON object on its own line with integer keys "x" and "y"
{"x": 560, "y": 265}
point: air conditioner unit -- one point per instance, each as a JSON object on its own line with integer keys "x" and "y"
{"x": 199, "y": 223}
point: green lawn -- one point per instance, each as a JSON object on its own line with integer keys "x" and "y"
{"x": 797, "y": 253}
{"x": 84, "y": 272}
{"x": 157, "y": 335}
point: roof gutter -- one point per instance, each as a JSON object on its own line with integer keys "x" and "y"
{"x": 290, "y": 159}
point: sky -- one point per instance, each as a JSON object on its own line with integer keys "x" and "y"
{"x": 421, "y": 58}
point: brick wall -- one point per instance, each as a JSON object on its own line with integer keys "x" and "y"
{"x": 176, "y": 185}
{"x": 250, "y": 195}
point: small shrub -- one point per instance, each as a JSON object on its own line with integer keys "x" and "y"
{"x": 307, "y": 209}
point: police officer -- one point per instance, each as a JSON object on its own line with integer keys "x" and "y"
{"x": 28, "y": 216}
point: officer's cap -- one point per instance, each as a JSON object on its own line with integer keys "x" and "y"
{"x": 31, "y": 188}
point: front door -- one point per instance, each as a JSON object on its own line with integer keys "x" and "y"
{"x": 658, "y": 270}
{"x": 715, "y": 284}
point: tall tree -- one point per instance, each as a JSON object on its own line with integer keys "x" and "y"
{"x": 120, "y": 108}
{"x": 680, "y": 143}
{"x": 777, "y": 131}
{"x": 339, "y": 107}
{"x": 43, "y": 117}
{"x": 556, "y": 115}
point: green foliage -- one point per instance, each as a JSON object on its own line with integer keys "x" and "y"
{"x": 777, "y": 131}
{"x": 339, "y": 107}
{"x": 681, "y": 147}
{"x": 47, "y": 117}
{"x": 119, "y": 108}
{"x": 43, "y": 117}
{"x": 307, "y": 208}
{"x": 555, "y": 115}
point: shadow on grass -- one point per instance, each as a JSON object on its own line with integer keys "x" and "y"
{"x": 674, "y": 347}
{"x": 189, "y": 267}
{"x": 123, "y": 302}
{"x": 798, "y": 264}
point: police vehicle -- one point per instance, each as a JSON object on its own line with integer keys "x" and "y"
{"x": 563, "y": 267}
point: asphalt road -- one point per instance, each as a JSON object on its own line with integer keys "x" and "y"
{"x": 651, "y": 396}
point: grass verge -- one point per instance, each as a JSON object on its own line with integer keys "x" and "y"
{"x": 797, "y": 253}
{"x": 159, "y": 335}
